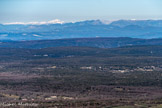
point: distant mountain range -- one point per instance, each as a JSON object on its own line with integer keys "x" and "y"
{"x": 141, "y": 23}
{"x": 146, "y": 29}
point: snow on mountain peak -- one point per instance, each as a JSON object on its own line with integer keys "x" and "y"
{"x": 55, "y": 21}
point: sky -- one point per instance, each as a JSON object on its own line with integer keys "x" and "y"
{"x": 76, "y": 10}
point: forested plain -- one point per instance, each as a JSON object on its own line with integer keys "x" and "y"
{"x": 75, "y": 76}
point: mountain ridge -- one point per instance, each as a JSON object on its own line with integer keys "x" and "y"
{"x": 81, "y": 42}
{"x": 146, "y": 29}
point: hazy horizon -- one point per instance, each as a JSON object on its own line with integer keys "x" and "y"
{"x": 57, "y": 21}
{"x": 73, "y": 11}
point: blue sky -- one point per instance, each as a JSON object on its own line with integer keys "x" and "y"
{"x": 75, "y": 10}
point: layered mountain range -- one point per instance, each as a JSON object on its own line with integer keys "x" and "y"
{"x": 84, "y": 29}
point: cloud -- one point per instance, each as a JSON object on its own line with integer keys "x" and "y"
{"x": 56, "y": 21}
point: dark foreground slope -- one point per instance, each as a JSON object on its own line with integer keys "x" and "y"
{"x": 81, "y": 42}
{"x": 82, "y": 76}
